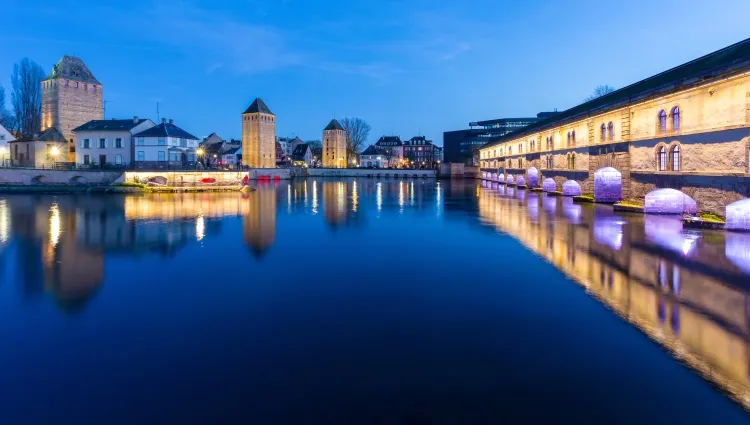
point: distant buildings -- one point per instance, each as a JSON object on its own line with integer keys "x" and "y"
{"x": 419, "y": 152}
{"x": 71, "y": 97}
{"x": 258, "y": 136}
{"x": 372, "y": 158}
{"x": 163, "y": 146}
{"x": 108, "y": 142}
{"x": 462, "y": 146}
{"x": 215, "y": 151}
{"x": 302, "y": 156}
{"x": 392, "y": 149}
{"x": 334, "y": 146}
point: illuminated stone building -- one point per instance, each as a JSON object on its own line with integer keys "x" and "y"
{"x": 258, "y": 136}
{"x": 686, "y": 128}
{"x": 259, "y": 221}
{"x": 71, "y": 96}
{"x": 334, "y": 145}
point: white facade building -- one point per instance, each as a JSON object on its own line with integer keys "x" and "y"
{"x": 5, "y": 138}
{"x": 108, "y": 142}
{"x": 164, "y": 145}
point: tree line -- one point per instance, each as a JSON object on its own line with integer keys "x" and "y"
{"x": 24, "y": 118}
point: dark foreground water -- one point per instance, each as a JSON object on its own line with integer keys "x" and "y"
{"x": 366, "y": 302}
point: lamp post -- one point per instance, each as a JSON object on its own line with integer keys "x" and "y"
{"x": 200, "y": 153}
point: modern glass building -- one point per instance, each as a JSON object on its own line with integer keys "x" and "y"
{"x": 462, "y": 146}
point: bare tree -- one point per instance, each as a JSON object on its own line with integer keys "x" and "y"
{"x": 26, "y": 97}
{"x": 357, "y": 130}
{"x": 388, "y": 152}
{"x": 313, "y": 144}
{"x": 600, "y": 91}
{"x": 6, "y": 118}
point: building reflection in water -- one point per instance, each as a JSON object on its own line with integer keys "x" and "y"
{"x": 688, "y": 294}
{"x": 259, "y": 219}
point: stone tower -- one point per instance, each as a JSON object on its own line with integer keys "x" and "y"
{"x": 258, "y": 136}
{"x": 71, "y": 96}
{"x": 334, "y": 145}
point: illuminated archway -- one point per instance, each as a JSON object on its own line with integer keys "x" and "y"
{"x": 501, "y": 178}
{"x": 669, "y": 201}
{"x": 607, "y": 185}
{"x": 532, "y": 176}
{"x": 549, "y": 185}
{"x": 510, "y": 179}
{"x": 738, "y": 215}
{"x": 571, "y": 188}
{"x": 520, "y": 181}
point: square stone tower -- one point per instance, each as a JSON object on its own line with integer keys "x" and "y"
{"x": 71, "y": 96}
{"x": 334, "y": 145}
{"x": 258, "y": 136}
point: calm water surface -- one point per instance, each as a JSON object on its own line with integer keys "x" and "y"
{"x": 366, "y": 302}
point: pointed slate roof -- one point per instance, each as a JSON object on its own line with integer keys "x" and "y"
{"x": 258, "y": 106}
{"x": 333, "y": 125}
{"x": 166, "y": 130}
{"x": 72, "y": 68}
{"x": 371, "y": 150}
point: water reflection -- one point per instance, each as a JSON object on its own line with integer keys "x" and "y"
{"x": 686, "y": 291}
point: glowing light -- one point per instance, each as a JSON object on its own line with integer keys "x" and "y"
{"x": 379, "y": 196}
{"x": 533, "y": 208}
{"x": 4, "y": 221}
{"x": 669, "y": 201}
{"x": 532, "y": 175}
{"x": 501, "y": 178}
{"x": 549, "y": 185}
{"x": 608, "y": 230}
{"x": 314, "y": 206}
{"x": 510, "y": 179}
{"x": 200, "y": 226}
{"x": 200, "y": 151}
{"x": 738, "y": 215}
{"x": 607, "y": 185}
{"x": 54, "y": 225}
{"x": 667, "y": 232}
{"x": 355, "y": 196}
{"x": 572, "y": 210}
{"x": 737, "y": 250}
{"x": 550, "y": 204}
{"x": 520, "y": 181}
{"x": 54, "y": 151}
{"x": 571, "y": 188}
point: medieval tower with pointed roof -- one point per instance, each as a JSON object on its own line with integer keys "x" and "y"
{"x": 334, "y": 145}
{"x": 258, "y": 136}
{"x": 71, "y": 96}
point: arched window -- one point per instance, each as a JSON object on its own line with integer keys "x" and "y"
{"x": 676, "y": 118}
{"x": 662, "y": 121}
{"x": 604, "y": 132}
{"x": 676, "y": 158}
{"x": 661, "y": 159}
{"x": 573, "y": 137}
{"x": 573, "y": 160}
{"x": 611, "y": 130}
{"x": 568, "y": 145}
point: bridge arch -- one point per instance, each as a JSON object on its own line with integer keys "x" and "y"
{"x": 669, "y": 201}
{"x": 79, "y": 180}
{"x": 532, "y": 177}
{"x": 607, "y": 185}
{"x": 738, "y": 215}
{"x": 520, "y": 181}
{"x": 501, "y": 178}
{"x": 549, "y": 185}
{"x": 40, "y": 179}
{"x": 571, "y": 188}
{"x": 510, "y": 180}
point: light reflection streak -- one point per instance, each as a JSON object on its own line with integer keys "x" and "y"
{"x": 4, "y": 221}
{"x": 54, "y": 225}
{"x": 200, "y": 226}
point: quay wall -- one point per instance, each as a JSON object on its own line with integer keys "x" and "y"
{"x": 363, "y": 172}
{"x": 31, "y": 176}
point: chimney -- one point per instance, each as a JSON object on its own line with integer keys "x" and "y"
{"x": 135, "y": 119}
{"x": 171, "y": 121}
{"x": 163, "y": 120}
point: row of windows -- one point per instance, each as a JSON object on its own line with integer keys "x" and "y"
{"x": 255, "y": 118}
{"x": 671, "y": 162}
{"x": 662, "y": 120}
{"x": 76, "y": 84}
{"x": 102, "y": 159}
{"x": 102, "y": 143}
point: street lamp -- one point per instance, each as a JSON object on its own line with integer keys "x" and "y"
{"x": 54, "y": 152}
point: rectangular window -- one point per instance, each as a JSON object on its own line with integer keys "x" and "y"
{"x": 140, "y": 141}
{"x": 141, "y": 156}
{"x": 102, "y": 143}
{"x": 118, "y": 159}
{"x": 174, "y": 141}
{"x": 162, "y": 142}
{"x": 183, "y": 143}
{"x": 86, "y": 143}
{"x": 118, "y": 143}
{"x": 162, "y": 156}
{"x": 86, "y": 160}
{"x": 173, "y": 156}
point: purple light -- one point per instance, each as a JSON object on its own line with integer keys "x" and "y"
{"x": 608, "y": 229}
{"x": 532, "y": 175}
{"x": 738, "y": 215}
{"x": 738, "y": 250}
{"x": 494, "y": 177}
{"x": 571, "y": 188}
{"x": 572, "y": 210}
{"x": 549, "y": 185}
{"x": 607, "y": 185}
{"x": 511, "y": 191}
{"x": 666, "y": 232}
{"x": 550, "y": 204}
{"x": 510, "y": 179}
{"x": 521, "y": 194}
{"x": 669, "y": 201}
{"x": 484, "y": 174}
{"x": 520, "y": 181}
{"x": 501, "y": 178}
{"x": 533, "y": 207}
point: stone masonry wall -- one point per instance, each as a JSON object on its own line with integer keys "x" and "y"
{"x": 259, "y": 140}
{"x": 66, "y": 108}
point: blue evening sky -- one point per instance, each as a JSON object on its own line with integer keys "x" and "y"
{"x": 407, "y": 67}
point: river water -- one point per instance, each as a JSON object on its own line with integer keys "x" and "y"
{"x": 366, "y": 301}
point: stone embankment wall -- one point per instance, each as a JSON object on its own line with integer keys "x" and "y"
{"x": 362, "y": 172}
{"x": 29, "y": 177}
